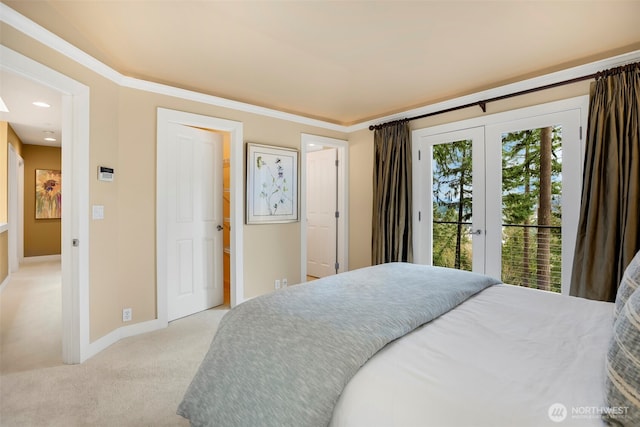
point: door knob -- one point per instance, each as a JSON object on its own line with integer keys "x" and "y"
{"x": 219, "y": 227}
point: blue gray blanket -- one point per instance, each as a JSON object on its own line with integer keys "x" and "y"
{"x": 283, "y": 359}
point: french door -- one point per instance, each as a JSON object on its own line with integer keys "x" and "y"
{"x": 449, "y": 185}
{"x": 501, "y": 198}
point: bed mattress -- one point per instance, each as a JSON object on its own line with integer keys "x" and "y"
{"x": 509, "y": 356}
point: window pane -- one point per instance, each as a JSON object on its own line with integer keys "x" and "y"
{"x": 531, "y": 208}
{"x": 452, "y": 202}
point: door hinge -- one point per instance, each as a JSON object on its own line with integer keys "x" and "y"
{"x": 337, "y": 214}
{"x": 580, "y": 133}
{"x": 419, "y": 154}
{"x": 337, "y": 266}
{"x": 75, "y": 242}
{"x": 419, "y": 216}
{"x": 337, "y": 162}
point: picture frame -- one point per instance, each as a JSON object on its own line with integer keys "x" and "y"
{"x": 48, "y": 194}
{"x": 272, "y": 184}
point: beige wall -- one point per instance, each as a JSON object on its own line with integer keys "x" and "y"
{"x": 41, "y": 236}
{"x": 123, "y": 136}
{"x": 122, "y": 246}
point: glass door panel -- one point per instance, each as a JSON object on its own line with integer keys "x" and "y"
{"x": 450, "y": 220}
{"x": 531, "y": 208}
{"x": 533, "y": 198}
{"x": 452, "y": 188}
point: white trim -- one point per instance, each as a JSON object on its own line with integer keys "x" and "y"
{"x": 4, "y": 228}
{"x": 343, "y": 204}
{"x": 75, "y": 163}
{"x": 38, "y": 33}
{"x": 124, "y": 332}
{"x": 164, "y": 117}
{"x": 4, "y": 283}
{"x": 505, "y": 116}
{"x": 42, "y": 258}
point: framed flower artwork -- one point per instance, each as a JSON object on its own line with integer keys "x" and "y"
{"x": 272, "y": 184}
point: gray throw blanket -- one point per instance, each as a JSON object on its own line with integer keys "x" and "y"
{"x": 283, "y": 359}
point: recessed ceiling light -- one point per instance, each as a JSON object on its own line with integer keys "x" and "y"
{"x": 49, "y": 135}
{"x": 41, "y": 104}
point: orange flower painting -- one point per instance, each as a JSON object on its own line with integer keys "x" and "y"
{"x": 48, "y": 194}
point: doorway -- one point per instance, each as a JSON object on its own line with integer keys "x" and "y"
{"x": 166, "y": 120}
{"x": 76, "y": 346}
{"x": 502, "y": 198}
{"x": 194, "y": 226}
{"x": 324, "y": 206}
{"x": 16, "y": 210}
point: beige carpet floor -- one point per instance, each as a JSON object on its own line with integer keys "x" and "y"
{"x": 138, "y": 381}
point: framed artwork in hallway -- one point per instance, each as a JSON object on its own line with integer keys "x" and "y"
{"x": 48, "y": 194}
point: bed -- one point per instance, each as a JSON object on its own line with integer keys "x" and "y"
{"x": 407, "y": 345}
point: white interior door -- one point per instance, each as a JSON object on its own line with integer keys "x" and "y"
{"x": 449, "y": 195}
{"x": 194, "y": 236}
{"x": 321, "y": 212}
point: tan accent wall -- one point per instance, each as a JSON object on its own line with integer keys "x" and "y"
{"x": 14, "y": 139}
{"x": 41, "y": 236}
{"x": 4, "y": 255}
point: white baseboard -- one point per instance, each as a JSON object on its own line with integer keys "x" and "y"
{"x": 4, "y": 283}
{"x": 44, "y": 258}
{"x": 123, "y": 332}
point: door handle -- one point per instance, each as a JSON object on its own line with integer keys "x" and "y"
{"x": 219, "y": 227}
{"x": 476, "y": 232}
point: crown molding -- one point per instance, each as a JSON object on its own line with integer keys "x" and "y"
{"x": 47, "y": 38}
{"x": 547, "y": 79}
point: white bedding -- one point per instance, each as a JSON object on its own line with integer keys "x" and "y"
{"x": 502, "y": 358}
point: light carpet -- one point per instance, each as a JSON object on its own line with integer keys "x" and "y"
{"x": 138, "y": 381}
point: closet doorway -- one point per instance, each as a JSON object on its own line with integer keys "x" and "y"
{"x": 324, "y": 202}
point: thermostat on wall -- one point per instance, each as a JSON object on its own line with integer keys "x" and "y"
{"x": 105, "y": 174}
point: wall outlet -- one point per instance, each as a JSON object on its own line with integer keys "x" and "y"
{"x": 277, "y": 284}
{"x": 126, "y": 314}
{"x": 284, "y": 282}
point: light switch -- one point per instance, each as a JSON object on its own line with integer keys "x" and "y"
{"x": 98, "y": 212}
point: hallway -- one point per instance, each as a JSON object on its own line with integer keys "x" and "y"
{"x": 30, "y": 318}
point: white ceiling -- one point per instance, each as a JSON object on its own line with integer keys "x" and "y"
{"x": 344, "y": 62}
{"x": 31, "y": 123}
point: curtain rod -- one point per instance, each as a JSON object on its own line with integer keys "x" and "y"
{"x": 483, "y": 103}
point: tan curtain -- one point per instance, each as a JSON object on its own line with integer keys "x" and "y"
{"x": 608, "y": 231}
{"x": 391, "y": 230}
